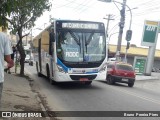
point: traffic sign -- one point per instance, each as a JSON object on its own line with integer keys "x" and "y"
{"x": 150, "y": 33}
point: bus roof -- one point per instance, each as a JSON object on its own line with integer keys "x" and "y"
{"x": 67, "y": 21}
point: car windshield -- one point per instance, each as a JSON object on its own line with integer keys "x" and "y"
{"x": 124, "y": 67}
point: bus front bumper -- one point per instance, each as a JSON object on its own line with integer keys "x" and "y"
{"x": 66, "y": 77}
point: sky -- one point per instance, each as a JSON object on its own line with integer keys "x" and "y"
{"x": 94, "y": 10}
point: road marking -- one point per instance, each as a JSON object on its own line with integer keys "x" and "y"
{"x": 136, "y": 95}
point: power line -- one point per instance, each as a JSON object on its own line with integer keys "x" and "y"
{"x": 89, "y": 7}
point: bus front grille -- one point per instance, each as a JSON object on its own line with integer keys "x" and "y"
{"x": 78, "y": 77}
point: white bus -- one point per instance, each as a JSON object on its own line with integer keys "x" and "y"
{"x": 72, "y": 51}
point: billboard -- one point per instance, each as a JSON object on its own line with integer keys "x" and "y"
{"x": 150, "y": 33}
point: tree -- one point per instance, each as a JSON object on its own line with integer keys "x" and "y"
{"x": 21, "y": 15}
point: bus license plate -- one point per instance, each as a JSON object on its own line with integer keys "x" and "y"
{"x": 83, "y": 79}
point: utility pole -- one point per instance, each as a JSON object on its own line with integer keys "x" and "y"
{"x": 121, "y": 26}
{"x": 108, "y": 19}
{"x": 107, "y": 40}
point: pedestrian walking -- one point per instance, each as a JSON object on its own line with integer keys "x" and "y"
{"x": 5, "y": 53}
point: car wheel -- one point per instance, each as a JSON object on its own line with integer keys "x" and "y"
{"x": 31, "y": 63}
{"x": 130, "y": 84}
{"x": 110, "y": 80}
{"x": 88, "y": 82}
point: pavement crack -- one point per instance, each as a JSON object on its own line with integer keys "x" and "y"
{"x": 25, "y": 108}
{"x": 21, "y": 96}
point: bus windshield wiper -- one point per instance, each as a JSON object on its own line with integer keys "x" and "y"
{"x": 75, "y": 38}
{"x": 90, "y": 38}
{"x": 79, "y": 43}
{"x": 85, "y": 44}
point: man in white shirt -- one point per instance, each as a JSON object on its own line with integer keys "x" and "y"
{"x": 5, "y": 54}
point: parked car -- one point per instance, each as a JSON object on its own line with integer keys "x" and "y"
{"x": 120, "y": 72}
{"x": 29, "y": 59}
{"x": 155, "y": 70}
{"x": 111, "y": 59}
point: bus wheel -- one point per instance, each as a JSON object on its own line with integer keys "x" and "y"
{"x": 48, "y": 72}
{"x": 39, "y": 74}
{"x": 37, "y": 67}
{"x": 52, "y": 82}
{"x": 88, "y": 82}
{"x": 48, "y": 75}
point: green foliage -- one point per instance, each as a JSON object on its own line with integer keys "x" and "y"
{"x": 22, "y": 13}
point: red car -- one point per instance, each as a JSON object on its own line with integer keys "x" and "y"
{"x": 120, "y": 72}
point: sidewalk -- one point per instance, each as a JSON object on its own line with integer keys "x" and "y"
{"x": 142, "y": 77}
{"x": 18, "y": 96}
{"x": 154, "y": 76}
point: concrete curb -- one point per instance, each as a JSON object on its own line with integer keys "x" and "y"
{"x": 37, "y": 96}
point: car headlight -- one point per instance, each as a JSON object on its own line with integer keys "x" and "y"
{"x": 60, "y": 69}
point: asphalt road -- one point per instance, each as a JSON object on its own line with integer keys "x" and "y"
{"x": 144, "y": 96}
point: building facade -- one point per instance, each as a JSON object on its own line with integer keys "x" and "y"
{"x": 134, "y": 51}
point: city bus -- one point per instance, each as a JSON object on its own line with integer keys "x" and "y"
{"x": 72, "y": 51}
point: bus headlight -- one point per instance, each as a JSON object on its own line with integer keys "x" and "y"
{"x": 60, "y": 69}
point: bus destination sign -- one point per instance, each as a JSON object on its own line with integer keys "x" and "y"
{"x": 80, "y": 25}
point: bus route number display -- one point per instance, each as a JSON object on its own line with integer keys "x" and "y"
{"x": 80, "y": 25}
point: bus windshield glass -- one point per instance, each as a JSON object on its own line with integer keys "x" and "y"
{"x": 76, "y": 46}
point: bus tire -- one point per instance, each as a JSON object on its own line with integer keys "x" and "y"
{"x": 38, "y": 73}
{"x": 52, "y": 82}
{"x": 88, "y": 82}
{"x": 48, "y": 73}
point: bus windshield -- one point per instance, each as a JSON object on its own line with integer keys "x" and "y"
{"x": 75, "y": 46}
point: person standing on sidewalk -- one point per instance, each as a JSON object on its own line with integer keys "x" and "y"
{"x": 5, "y": 54}
{"x": 7, "y": 70}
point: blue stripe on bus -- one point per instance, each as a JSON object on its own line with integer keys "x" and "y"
{"x": 66, "y": 68}
{"x": 62, "y": 65}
